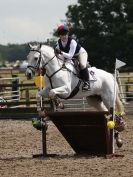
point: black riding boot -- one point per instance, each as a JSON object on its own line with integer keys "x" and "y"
{"x": 85, "y": 77}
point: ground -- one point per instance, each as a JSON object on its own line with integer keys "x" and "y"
{"x": 19, "y": 141}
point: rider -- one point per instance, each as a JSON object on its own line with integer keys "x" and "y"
{"x": 69, "y": 48}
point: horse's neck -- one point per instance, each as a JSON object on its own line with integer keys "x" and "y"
{"x": 54, "y": 64}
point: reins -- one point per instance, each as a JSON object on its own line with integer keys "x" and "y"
{"x": 37, "y": 66}
{"x": 62, "y": 67}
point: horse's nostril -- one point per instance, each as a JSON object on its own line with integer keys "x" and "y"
{"x": 29, "y": 75}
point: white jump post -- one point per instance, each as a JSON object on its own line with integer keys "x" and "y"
{"x": 43, "y": 129}
{"x": 118, "y": 64}
{"x": 44, "y": 148}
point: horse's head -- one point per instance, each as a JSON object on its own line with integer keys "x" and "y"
{"x": 34, "y": 60}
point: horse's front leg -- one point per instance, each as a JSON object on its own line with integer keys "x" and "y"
{"x": 41, "y": 121}
{"x": 57, "y": 103}
{"x": 54, "y": 94}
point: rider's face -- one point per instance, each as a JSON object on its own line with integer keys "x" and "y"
{"x": 64, "y": 37}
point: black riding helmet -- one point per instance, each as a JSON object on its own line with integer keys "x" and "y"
{"x": 62, "y": 30}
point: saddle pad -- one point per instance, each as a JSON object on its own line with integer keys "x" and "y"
{"x": 92, "y": 74}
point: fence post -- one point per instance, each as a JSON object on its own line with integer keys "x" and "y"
{"x": 15, "y": 88}
{"x": 27, "y": 96}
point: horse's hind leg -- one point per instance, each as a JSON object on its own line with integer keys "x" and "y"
{"x": 118, "y": 139}
{"x": 120, "y": 115}
{"x": 96, "y": 102}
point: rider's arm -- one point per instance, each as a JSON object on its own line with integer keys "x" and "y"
{"x": 57, "y": 49}
{"x": 72, "y": 50}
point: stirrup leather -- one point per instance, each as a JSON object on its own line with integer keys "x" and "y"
{"x": 86, "y": 86}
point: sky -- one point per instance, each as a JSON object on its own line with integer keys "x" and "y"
{"x": 23, "y": 21}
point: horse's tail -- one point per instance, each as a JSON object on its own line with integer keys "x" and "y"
{"x": 119, "y": 104}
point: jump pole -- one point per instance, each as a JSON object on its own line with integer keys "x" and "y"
{"x": 118, "y": 64}
{"x": 39, "y": 83}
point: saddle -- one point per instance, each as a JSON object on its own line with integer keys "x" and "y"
{"x": 77, "y": 66}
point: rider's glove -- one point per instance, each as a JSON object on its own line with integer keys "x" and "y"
{"x": 57, "y": 51}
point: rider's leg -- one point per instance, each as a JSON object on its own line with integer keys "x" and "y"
{"x": 85, "y": 77}
{"x": 84, "y": 70}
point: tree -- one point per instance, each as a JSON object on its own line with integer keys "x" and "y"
{"x": 105, "y": 29}
{"x": 129, "y": 35}
{"x": 13, "y": 52}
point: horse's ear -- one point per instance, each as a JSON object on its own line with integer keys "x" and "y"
{"x": 30, "y": 45}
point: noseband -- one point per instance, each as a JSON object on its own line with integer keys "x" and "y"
{"x": 33, "y": 68}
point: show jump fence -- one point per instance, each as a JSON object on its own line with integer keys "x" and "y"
{"x": 17, "y": 93}
{"x": 85, "y": 131}
{"x": 125, "y": 82}
{"x": 23, "y": 94}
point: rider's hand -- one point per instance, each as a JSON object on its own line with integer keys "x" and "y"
{"x": 57, "y": 51}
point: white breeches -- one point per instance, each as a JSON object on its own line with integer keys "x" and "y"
{"x": 82, "y": 57}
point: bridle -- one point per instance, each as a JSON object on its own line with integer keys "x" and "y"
{"x": 37, "y": 66}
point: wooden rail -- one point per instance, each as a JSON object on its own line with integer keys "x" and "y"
{"x": 19, "y": 85}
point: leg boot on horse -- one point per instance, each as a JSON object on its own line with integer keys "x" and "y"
{"x": 58, "y": 103}
{"x": 118, "y": 140}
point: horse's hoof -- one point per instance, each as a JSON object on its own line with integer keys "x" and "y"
{"x": 120, "y": 124}
{"x": 119, "y": 143}
{"x": 61, "y": 106}
{"x": 46, "y": 119}
{"x": 120, "y": 128}
{"x": 42, "y": 114}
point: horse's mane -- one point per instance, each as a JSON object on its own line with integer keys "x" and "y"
{"x": 47, "y": 48}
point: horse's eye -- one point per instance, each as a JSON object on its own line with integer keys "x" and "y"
{"x": 36, "y": 58}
